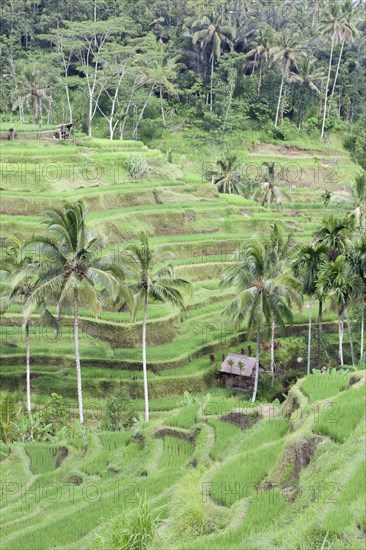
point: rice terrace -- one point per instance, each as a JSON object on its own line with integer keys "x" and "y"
{"x": 183, "y": 275}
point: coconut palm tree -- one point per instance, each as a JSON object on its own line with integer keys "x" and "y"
{"x": 335, "y": 234}
{"x": 153, "y": 280}
{"x": 269, "y": 190}
{"x": 261, "y": 50}
{"x": 355, "y": 200}
{"x": 286, "y": 52}
{"x": 341, "y": 284}
{"x": 68, "y": 264}
{"x": 161, "y": 70}
{"x": 212, "y": 36}
{"x": 308, "y": 77}
{"x": 357, "y": 260}
{"x": 227, "y": 176}
{"x": 349, "y": 18}
{"x": 279, "y": 249}
{"x": 306, "y": 265}
{"x": 36, "y": 90}
{"x": 17, "y": 285}
{"x": 258, "y": 298}
{"x": 331, "y": 26}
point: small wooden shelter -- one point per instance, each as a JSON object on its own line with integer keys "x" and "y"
{"x": 237, "y": 372}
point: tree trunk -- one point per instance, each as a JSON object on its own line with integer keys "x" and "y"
{"x": 162, "y": 106}
{"x": 260, "y": 77}
{"x": 255, "y": 62}
{"x": 320, "y": 320}
{"x": 279, "y": 101}
{"x": 272, "y": 353}
{"x": 90, "y": 116}
{"x": 341, "y": 332}
{"x": 256, "y": 378}
{"x": 144, "y": 368}
{"x": 77, "y": 356}
{"x": 211, "y": 83}
{"x": 350, "y": 337}
{"x": 27, "y": 344}
{"x": 336, "y": 75}
{"x": 362, "y": 326}
{"x": 327, "y": 88}
{"x": 309, "y": 334}
{"x": 111, "y": 128}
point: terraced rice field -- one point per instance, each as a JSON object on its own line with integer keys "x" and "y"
{"x": 178, "y": 207}
{"x": 211, "y": 484}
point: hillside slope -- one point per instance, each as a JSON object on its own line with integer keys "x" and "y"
{"x": 289, "y": 477}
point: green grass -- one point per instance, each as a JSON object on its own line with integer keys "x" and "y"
{"x": 320, "y": 386}
{"x": 340, "y": 417}
{"x": 185, "y": 418}
{"x": 42, "y": 457}
{"x": 226, "y": 436}
{"x": 242, "y": 476}
{"x": 176, "y": 452}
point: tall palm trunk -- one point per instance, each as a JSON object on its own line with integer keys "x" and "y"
{"x": 279, "y": 101}
{"x": 27, "y": 345}
{"x": 320, "y": 320}
{"x": 77, "y": 355}
{"x": 144, "y": 367}
{"x": 211, "y": 80}
{"x": 350, "y": 337}
{"x": 162, "y": 105}
{"x": 309, "y": 334}
{"x": 260, "y": 76}
{"x": 362, "y": 326}
{"x": 336, "y": 75}
{"x": 256, "y": 377}
{"x": 341, "y": 333}
{"x": 327, "y": 88}
{"x": 272, "y": 353}
{"x": 255, "y": 62}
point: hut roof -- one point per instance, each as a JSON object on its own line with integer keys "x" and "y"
{"x": 230, "y": 365}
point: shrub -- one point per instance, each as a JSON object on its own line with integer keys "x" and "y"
{"x": 119, "y": 411}
{"x": 54, "y": 412}
{"x": 136, "y": 166}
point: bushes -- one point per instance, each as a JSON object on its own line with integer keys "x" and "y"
{"x": 136, "y": 166}
{"x": 119, "y": 411}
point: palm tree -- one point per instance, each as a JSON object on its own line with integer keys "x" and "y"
{"x": 357, "y": 259}
{"x": 17, "y": 284}
{"x": 331, "y": 26}
{"x": 269, "y": 191}
{"x": 161, "y": 70}
{"x": 341, "y": 284}
{"x": 36, "y": 88}
{"x": 228, "y": 176}
{"x": 335, "y": 235}
{"x": 307, "y": 78}
{"x": 258, "y": 298}
{"x": 212, "y": 36}
{"x": 349, "y": 16}
{"x": 153, "y": 280}
{"x": 287, "y": 51}
{"x": 261, "y": 51}
{"x": 68, "y": 263}
{"x": 306, "y": 267}
{"x": 355, "y": 200}
{"x": 279, "y": 248}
